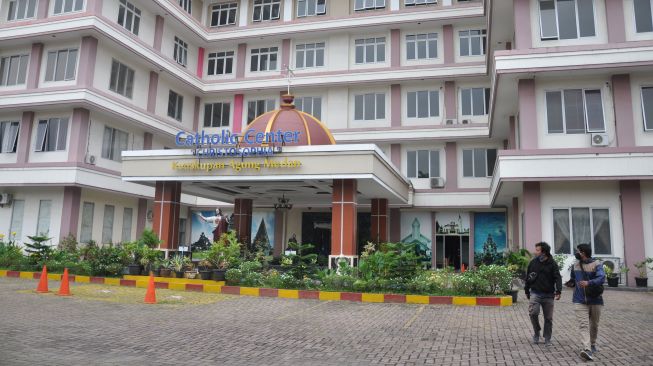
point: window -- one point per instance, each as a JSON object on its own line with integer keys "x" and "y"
{"x": 86, "y": 233}
{"x": 182, "y": 231}
{"x": 310, "y": 105}
{"x": 479, "y": 163}
{"x": 647, "y": 108}
{"x": 21, "y": 9}
{"x": 61, "y": 65}
{"x": 581, "y": 225}
{"x": 221, "y": 63}
{"x": 574, "y": 111}
{"x": 370, "y": 50}
{"x": 266, "y": 10}
{"x": 8, "y": 136}
{"x": 180, "y": 53}
{"x": 175, "y": 105}
{"x": 643, "y": 15}
{"x": 309, "y": 8}
{"x": 309, "y": 55}
{"x": 472, "y": 42}
{"x": 423, "y": 104}
{"x": 122, "y": 79}
{"x": 127, "y": 224}
{"x": 264, "y": 59}
{"x": 114, "y": 142}
{"x": 369, "y": 107}
{"x": 17, "y": 213}
{"x": 423, "y": 164}
{"x": 43, "y": 220}
{"x": 13, "y": 70}
{"x": 216, "y": 114}
{"x": 475, "y": 101}
{"x": 566, "y": 19}
{"x": 107, "y": 224}
{"x": 256, "y": 108}
{"x": 419, "y": 2}
{"x": 223, "y": 14}
{"x": 67, "y": 6}
{"x": 368, "y": 4}
{"x": 129, "y": 16}
{"x": 52, "y": 134}
{"x": 186, "y": 5}
{"x": 421, "y": 46}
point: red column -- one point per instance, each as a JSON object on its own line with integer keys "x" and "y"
{"x": 243, "y": 220}
{"x": 238, "y": 113}
{"x": 70, "y": 213}
{"x": 200, "y": 62}
{"x": 380, "y": 217}
{"x": 343, "y": 218}
{"x": 167, "y": 199}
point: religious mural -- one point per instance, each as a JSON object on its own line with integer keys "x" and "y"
{"x": 416, "y": 229}
{"x": 489, "y": 237}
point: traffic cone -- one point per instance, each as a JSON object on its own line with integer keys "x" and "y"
{"x": 64, "y": 290}
{"x": 43, "y": 283}
{"x": 462, "y": 268}
{"x": 150, "y": 295}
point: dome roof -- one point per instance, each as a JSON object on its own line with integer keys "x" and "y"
{"x": 296, "y": 128}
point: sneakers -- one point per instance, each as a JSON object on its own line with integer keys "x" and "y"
{"x": 536, "y": 339}
{"x": 547, "y": 342}
{"x": 586, "y": 355}
{"x": 594, "y": 348}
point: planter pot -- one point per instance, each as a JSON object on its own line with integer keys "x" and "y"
{"x": 165, "y": 272}
{"x": 205, "y": 275}
{"x": 134, "y": 269}
{"x": 179, "y": 274}
{"x": 218, "y": 274}
{"x": 641, "y": 282}
{"x": 613, "y": 281}
{"x": 157, "y": 272}
{"x": 190, "y": 274}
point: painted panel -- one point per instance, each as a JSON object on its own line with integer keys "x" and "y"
{"x": 263, "y": 230}
{"x": 489, "y": 237}
{"x": 416, "y": 229}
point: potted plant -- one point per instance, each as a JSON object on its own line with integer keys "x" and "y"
{"x": 165, "y": 268}
{"x": 190, "y": 271}
{"x": 177, "y": 263}
{"x": 148, "y": 259}
{"x": 134, "y": 251}
{"x": 223, "y": 254}
{"x": 642, "y": 279}
{"x": 205, "y": 269}
{"x": 613, "y": 278}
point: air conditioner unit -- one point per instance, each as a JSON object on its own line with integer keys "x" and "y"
{"x": 5, "y": 198}
{"x": 437, "y": 182}
{"x": 451, "y": 122}
{"x": 465, "y": 121}
{"x": 89, "y": 159}
{"x": 600, "y": 139}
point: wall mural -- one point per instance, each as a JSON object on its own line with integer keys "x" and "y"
{"x": 489, "y": 237}
{"x": 263, "y": 230}
{"x": 201, "y": 232}
{"x": 416, "y": 229}
{"x": 452, "y": 223}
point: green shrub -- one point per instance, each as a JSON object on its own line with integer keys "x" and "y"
{"x": 497, "y": 277}
{"x": 149, "y": 239}
{"x": 10, "y": 255}
{"x": 470, "y": 283}
{"x": 392, "y": 260}
{"x": 233, "y": 276}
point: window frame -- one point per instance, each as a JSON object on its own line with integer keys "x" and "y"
{"x": 317, "y": 47}
{"x": 306, "y": 7}
{"x": 52, "y": 68}
{"x": 125, "y": 238}
{"x": 417, "y": 104}
{"x": 469, "y": 38}
{"x": 635, "y": 12}
{"x": 262, "y": 4}
{"x": 564, "y": 115}
{"x": 106, "y": 229}
{"x": 227, "y": 57}
{"x": 115, "y": 135}
{"x": 43, "y": 145}
{"x": 572, "y": 244}
{"x": 127, "y": 84}
{"x": 16, "y": 223}
{"x": 644, "y": 116}
{"x": 300, "y": 103}
{"x": 39, "y": 217}
{"x": 62, "y": 7}
{"x": 176, "y": 107}
{"x": 269, "y": 105}
{"x": 83, "y": 230}
{"x": 187, "y": 5}
{"x": 429, "y": 164}
{"x": 224, "y": 7}
{"x": 180, "y": 52}
{"x": 486, "y": 101}
{"x": 14, "y": 8}
{"x": 415, "y": 42}
{"x": 4, "y": 126}
{"x": 365, "y": 6}
{"x": 6, "y": 69}
{"x": 222, "y": 115}
{"x": 376, "y": 43}
{"x": 124, "y": 7}
{"x": 488, "y": 173}
{"x": 269, "y": 52}
{"x": 557, "y": 23}
{"x": 375, "y": 108}
{"x": 416, "y": 3}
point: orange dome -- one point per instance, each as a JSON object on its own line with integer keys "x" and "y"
{"x": 287, "y": 126}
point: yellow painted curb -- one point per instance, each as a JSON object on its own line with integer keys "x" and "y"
{"x": 142, "y": 284}
{"x": 372, "y": 298}
{"x": 112, "y": 281}
{"x": 26, "y": 275}
{"x": 287, "y": 294}
{"x": 177, "y": 286}
{"x": 175, "y": 280}
{"x": 327, "y": 295}
{"x": 250, "y": 291}
{"x": 3, "y": 273}
{"x": 54, "y": 276}
{"x": 213, "y": 288}
{"x": 506, "y": 301}
{"x": 82, "y": 279}
{"x": 417, "y": 299}
{"x": 464, "y": 301}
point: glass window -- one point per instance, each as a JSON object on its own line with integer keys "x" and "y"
{"x": 86, "y": 233}
{"x": 472, "y": 42}
{"x": 421, "y": 46}
{"x": 107, "y": 224}
{"x": 9, "y": 136}
{"x": 419, "y": 2}
{"x": 67, "y": 6}
{"x": 643, "y": 15}
{"x": 310, "y": 105}
{"x": 264, "y": 59}
{"x": 309, "y": 8}
{"x": 475, "y": 101}
{"x": 223, "y": 14}
{"x": 182, "y": 232}
{"x": 17, "y": 214}
{"x": 122, "y": 79}
{"x": 175, "y": 105}
{"x": 423, "y": 104}
{"x": 114, "y": 142}
{"x": 309, "y": 55}
{"x": 360, "y": 5}
{"x": 21, "y": 9}
{"x": 584, "y": 226}
{"x": 647, "y": 108}
{"x": 52, "y": 134}
{"x": 257, "y": 107}
{"x": 423, "y": 164}
{"x": 13, "y": 70}
{"x": 221, "y": 63}
{"x": 566, "y": 19}
{"x": 186, "y": 5}
{"x": 180, "y": 52}
{"x": 370, "y": 50}
{"x": 127, "y": 224}
{"x": 479, "y": 162}
{"x": 216, "y": 114}
{"x": 61, "y": 65}
{"x": 43, "y": 221}
{"x": 369, "y": 107}
{"x": 266, "y": 10}
{"x": 129, "y": 16}
{"x": 575, "y": 111}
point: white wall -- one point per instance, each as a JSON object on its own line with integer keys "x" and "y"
{"x": 165, "y": 85}
{"x": 148, "y": 20}
{"x": 168, "y": 47}
{"x": 338, "y": 113}
{"x": 100, "y": 200}
{"x": 32, "y": 197}
{"x": 637, "y": 81}
{"x": 98, "y": 123}
{"x": 600, "y": 28}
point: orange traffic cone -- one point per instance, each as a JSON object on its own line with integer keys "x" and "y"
{"x": 43, "y": 283}
{"x": 462, "y": 268}
{"x": 64, "y": 290}
{"x": 150, "y": 295}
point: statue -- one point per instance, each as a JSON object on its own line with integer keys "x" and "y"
{"x": 220, "y": 222}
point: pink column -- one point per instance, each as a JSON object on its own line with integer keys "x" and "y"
{"x": 78, "y": 135}
{"x": 152, "y": 91}
{"x": 285, "y": 53}
{"x": 241, "y": 60}
{"x": 633, "y": 226}
{"x": 512, "y": 134}
{"x": 623, "y": 110}
{"x": 395, "y": 48}
{"x": 522, "y": 21}
{"x": 614, "y": 12}
{"x": 200, "y": 62}
{"x": 34, "y": 66}
{"x": 238, "y": 113}
{"x": 527, "y": 114}
{"x": 451, "y": 155}
{"x": 70, "y": 211}
{"x": 515, "y": 224}
{"x": 147, "y": 141}
{"x": 532, "y": 215}
{"x": 24, "y": 138}
{"x": 196, "y": 114}
{"x": 395, "y": 155}
{"x": 450, "y": 100}
{"x": 158, "y": 33}
{"x": 395, "y": 105}
{"x": 395, "y": 225}
{"x": 42, "y": 9}
{"x": 448, "y": 39}
{"x": 87, "y": 56}
{"x": 94, "y": 7}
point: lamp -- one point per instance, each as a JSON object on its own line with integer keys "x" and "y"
{"x": 283, "y": 203}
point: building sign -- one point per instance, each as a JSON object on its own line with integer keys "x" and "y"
{"x": 227, "y": 144}
{"x": 236, "y": 165}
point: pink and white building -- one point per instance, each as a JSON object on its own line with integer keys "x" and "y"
{"x": 538, "y": 109}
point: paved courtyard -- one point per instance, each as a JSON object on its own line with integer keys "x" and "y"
{"x": 48, "y": 330}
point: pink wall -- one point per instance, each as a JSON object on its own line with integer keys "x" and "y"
{"x": 516, "y": 239}
{"x": 451, "y": 155}
{"x": 42, "y": 9}
{"x": 395, "y": 105}
{"x": 623, "y": 110}
{"x": 238, "y": 113}
{"x": 142, "y": 216}
{"x": 395, "y": 155}
{"x": 147, "y": 141}
{"x": 200, "y": 62}
{"x": 34, "y": 66}
{"x": 450, "y": 99}
{"x": 395, "y": 48}
{"x": 285, "y": 54}
{"x": 523, "y": 32}
{"x": 94, "y": 7}
{"x": 152, "y": 91}
{"x": 448, "y": 39}
{"x": 87, "y": 55}
{"x": 24, "y": 138}
{"x": 196, "y": 114}
{"x": 70, "y": 211}
{"x": 158, "y": 33}
{"x": 614, "y": 11}
{"x": 532, "y": 215}
{"x": 527, "y": 114}
{"x": 241, "y": 60}
{"x": 633, "y": 226}
{"x": 78, "y": 135}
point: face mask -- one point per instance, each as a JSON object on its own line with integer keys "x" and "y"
{"x": 542, "y": 257}
{"x": 577, "y": 255}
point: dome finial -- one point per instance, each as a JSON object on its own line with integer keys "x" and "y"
{"x": 289, "y": 75}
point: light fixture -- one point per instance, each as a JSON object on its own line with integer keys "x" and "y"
{"x": 283, "y": 203}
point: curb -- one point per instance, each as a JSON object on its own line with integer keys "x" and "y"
{"x": 182, "y": 284}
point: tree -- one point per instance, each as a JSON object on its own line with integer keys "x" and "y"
{"x": 38, "y": 250}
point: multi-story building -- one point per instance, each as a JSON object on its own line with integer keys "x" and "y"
{"x": 511, "y": 121}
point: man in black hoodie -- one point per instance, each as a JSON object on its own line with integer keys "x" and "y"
{"x": 543, "y": 284}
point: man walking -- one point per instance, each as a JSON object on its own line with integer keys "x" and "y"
{"x": 543, "y": 284}
{"x": 587, "y": 272}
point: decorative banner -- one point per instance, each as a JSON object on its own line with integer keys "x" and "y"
{"x": 452, "y": 223}
{"x": 416, "y": 229}
{"x": 489, "y": 237}
{"x": 263, "y": 231}
{"x": 201, "y": 232}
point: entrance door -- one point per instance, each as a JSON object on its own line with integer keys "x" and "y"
{"x": 451, "y": 251}
{"x": 316, "y": 230}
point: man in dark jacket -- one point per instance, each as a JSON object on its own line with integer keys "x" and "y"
{"x": 587, "y": 271}
{"x": 543, "y": 284}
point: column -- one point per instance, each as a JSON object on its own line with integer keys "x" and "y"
{"x": 395, "y": 105}
{"x": 279, "y": 232}
{"x": 532, "y": 215}
{"x": 527, "y": 114}
{"x": 238, "y": 113}
{"x": 241, "y": 59}
{"x": 395, "y": 225}
{"x": 167, "y": 198}
{"x": 448, "y": 39}
{"x": 87, "y": 55}
{"x": 395, "y": 155}
{"x": 200, "y": 62}
{"x": 614, "y": 14}
{"x": 285, "y": 54}
{"x": 196, "y": 114}
{"x": 380, "y": 216}
{"x": 34, "y": 70}
{"x": 158, "y": 33}
{"x": 70, "y": 212}
{"x": 79, "y": 126}
{"x": 451, "y": 156}
{"x": 343, "y": 220}
{"x": 623, "y": 110}
{"x": 450, "y": 111}
{"x": 42, "y": 9}
{"x": 94, "y": 7}
{"x": 243, "y": 220}
{"x": 141, "y": 216}
{"x": 151, "y": 92}
{"x": 24, "y": 138}
{"x": 633, "y": 226}
{"x": 395, "y": 48}
{"x": 512, "y": 134}
{"x": 516, "y": 239}
{"x": 522, "y": 21}
{"x": 147, "y": 141}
